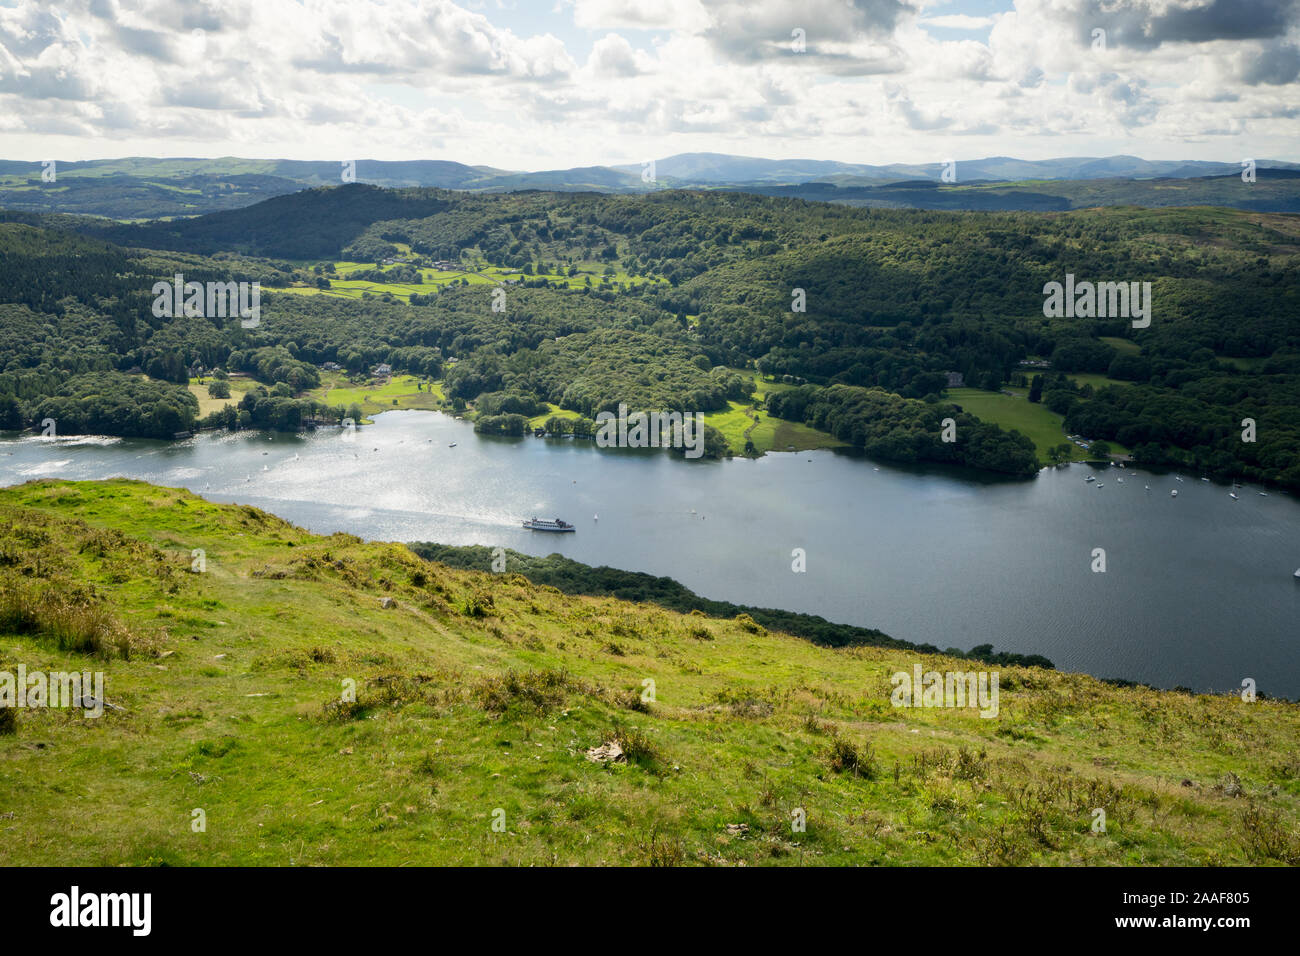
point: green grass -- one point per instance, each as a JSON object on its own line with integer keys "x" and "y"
{"x": 1095, "y": 379}
{"x": 746, "y": 421}
{"x": 553, "y": 411}
{"x": 1035, "y": 421}
{"x": 343, "y": 287}
{"x": 399, "y": 392}
{"x": 207, "y": 404}
{"x": 480, "y": 692}
{"x": 1123, "y": 346}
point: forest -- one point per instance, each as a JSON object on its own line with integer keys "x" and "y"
{"x": 872, "y": 309}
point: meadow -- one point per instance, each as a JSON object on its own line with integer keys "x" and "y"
{"x": 499, "y": 722}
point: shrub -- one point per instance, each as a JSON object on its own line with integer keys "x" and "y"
{"x": 538, "y": 691}
{"x": 845, "y": 757}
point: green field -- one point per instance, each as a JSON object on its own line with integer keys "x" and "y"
{"x": 481, "y": 274}
{"x": 1123, "y": 346}
{"x": 553, "y": 411}
{"x": 1036, "y": 422}
{"x": 744, "y": 421}
{"x": 207, "y": 404}
{"x": 1095, "y": 379}
{"x": 480, "y": 697}
{"x": 399, "y": 392}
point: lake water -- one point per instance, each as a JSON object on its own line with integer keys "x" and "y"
{"x": 1198, "y": 590}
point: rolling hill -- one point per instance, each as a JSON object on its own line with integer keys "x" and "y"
{"x": 588, "y": 730}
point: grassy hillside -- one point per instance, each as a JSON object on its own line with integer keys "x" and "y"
{"x": 479, "y": 692}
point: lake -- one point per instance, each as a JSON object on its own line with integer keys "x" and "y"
{"x": 1198, "y": 590}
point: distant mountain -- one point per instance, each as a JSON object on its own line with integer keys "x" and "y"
{"x": 1274, "y": 190}
{"x": 721, "y": 168}
{"x": 137, "y": 188}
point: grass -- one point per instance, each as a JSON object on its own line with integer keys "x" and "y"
{"x": 745, "y": 421}
{"x": 552, "y": 411}
{"x": 1035, "y": 421}
{"x": 398, "y": 392}
{"x": 1123, "y": 346}
{"x": 478, "y": 694}
{"x": 208, "y": 404}
{"x": 1095, "y": 379}
{"x": 433, "y": 279}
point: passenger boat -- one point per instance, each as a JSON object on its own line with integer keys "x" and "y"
{"x": 534, "y": 524}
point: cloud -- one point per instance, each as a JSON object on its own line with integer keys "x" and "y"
{"x": 599, "y": 80}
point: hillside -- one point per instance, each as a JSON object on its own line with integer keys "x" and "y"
{"x": 480, "y": 693}
{"x": 660, "y": 301}
{"x": 138, "y": 187}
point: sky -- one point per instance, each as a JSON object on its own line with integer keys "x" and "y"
{"x": 561, "y": 83}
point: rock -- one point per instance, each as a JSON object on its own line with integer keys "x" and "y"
{"x": 91, "y": 702}
{"x": 387, "y": 602}
{"x": 737, "y": 829}
{"x": 607, "y": 753}
{"x": 1230, "y": 785}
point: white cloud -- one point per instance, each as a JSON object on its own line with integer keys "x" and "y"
{"x": 582, "y": 85}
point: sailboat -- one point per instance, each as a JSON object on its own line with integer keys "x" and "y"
{"x": 1174, "y": 493}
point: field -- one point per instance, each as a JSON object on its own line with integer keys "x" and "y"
{"x": 401, "y": 391}
{"x": 1095, "y": 379}
{"x": 589, "y": 273}
{"x": 207, "y": 404}
{"x": 1036, "y": 422}
{"x": 482, "y": 703}
{"x": 553, "y": 411}
{"x": 1123, "y": 346}
{"x": 743, "y": 421}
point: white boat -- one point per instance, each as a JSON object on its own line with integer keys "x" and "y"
{"x": 452, "y": 445}
{"x": 1099, "y": 485}
{"x": 1297, "y": 572}
{"x": 1148, "y": 487}
{"x": 1205, "y": 479}
{"x": 1176, "y": 478}
{"x": 1233, "y": 497}
{"x": 1263, "y": 494}
{"x": 1090, "y": 478}
{"x": 1174, "y": 493}
{"x": 1120, "y": 480}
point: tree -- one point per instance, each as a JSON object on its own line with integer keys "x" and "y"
{"x": 1100, "y": 449}
{"x": 1036, "y": 389}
